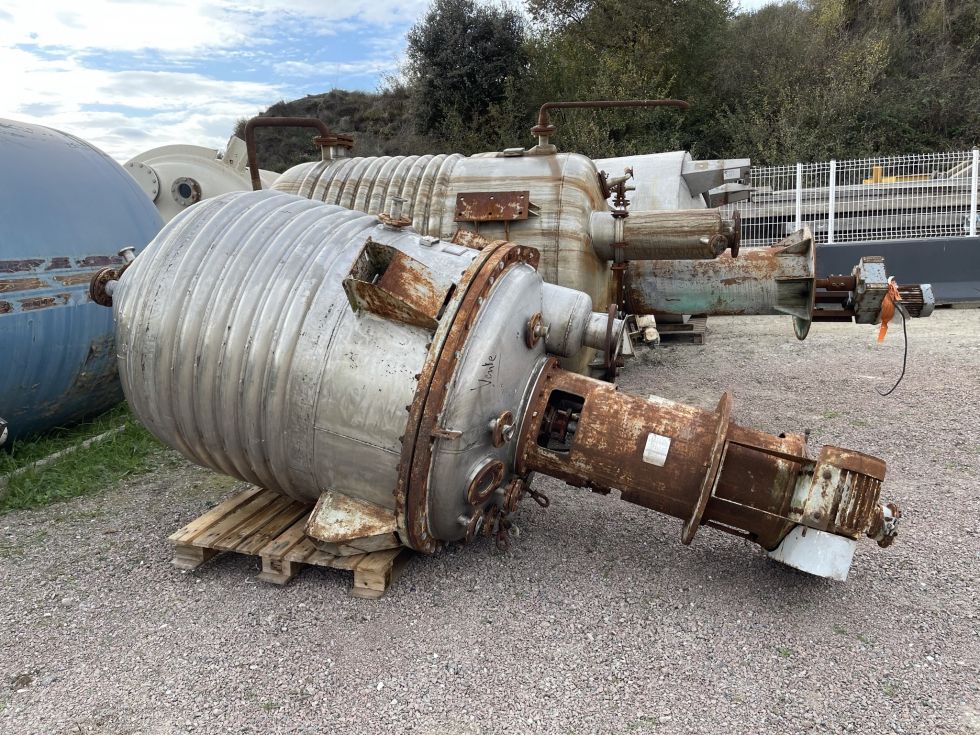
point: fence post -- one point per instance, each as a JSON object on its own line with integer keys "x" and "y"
{"x": 799, "y": 196}
{"x": 973, "y": 192}
{"x": 831, "y": 201}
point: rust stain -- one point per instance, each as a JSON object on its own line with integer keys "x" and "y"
{"x": 395, "y": 286}
{"x": 73, "y": 279}
{"x": 92, "y": 261}
{"x": 44, "y": 302}
{"x": 368, "y": 297}
{"x": 59, "y": 263}
{"x": 21, "y": 284}
{"x": 6, "y": 307}
{"x": 411, "y": 282}
{"x": 492, "y": 206}
{"x": 18, "y": 266}
{"x": 470, "y": 239}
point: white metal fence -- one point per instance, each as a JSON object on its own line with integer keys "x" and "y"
{"x": 887, "y": 198}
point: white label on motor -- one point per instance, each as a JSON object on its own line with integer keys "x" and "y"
{"x": 655, "y": 451}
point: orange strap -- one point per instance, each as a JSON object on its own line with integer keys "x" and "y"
{"x": 888, "y": 308}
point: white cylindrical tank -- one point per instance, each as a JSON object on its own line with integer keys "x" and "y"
{"x": 176, "y": 176}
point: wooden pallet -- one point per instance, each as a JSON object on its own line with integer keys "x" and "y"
{"x": 693, "y": 331}
{"x": 263, "y": 523}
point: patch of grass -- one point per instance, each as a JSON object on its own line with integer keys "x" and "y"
{"x": 132, "y": 451}
{"x": 840, "y": 630}
{"x": 861, "y": 637}
{"x": 831, "y": 414}
{"x": 889, "y": 688}
{"x": 270, "y": 706}
{"x": 26, "y": 450}
{"x": 785, "y": 652}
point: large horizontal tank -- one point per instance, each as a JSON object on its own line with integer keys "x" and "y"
{"x": 67, "y": 209}
{"x": 614, "y": 250}
{"x": 554, "y": 202}
{"x": 408, "y": 386}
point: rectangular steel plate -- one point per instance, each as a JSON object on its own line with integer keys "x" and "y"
{"x": 492, "y": 206}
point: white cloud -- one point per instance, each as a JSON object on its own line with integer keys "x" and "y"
{"x": 128, "y": 75}
{"x": 186, "y": 25}
{"x": 307, "y": 69}
{"x": 110, "y": 108}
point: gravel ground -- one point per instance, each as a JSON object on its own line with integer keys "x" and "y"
{"x": 597, "y": 621}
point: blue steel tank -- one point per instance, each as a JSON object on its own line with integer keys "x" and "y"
{"x": 66, "y": 210}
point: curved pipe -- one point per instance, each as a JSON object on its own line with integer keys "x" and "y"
{"x": 326, "y": 137}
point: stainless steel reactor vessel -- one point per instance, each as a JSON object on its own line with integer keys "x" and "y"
{"x": 341, "y": 358}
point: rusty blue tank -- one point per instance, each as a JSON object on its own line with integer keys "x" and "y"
{"x": 66, "y": 209}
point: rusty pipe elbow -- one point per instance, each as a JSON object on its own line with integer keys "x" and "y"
{"x": 325, "y": 138}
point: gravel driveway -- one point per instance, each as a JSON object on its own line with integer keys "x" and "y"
{"x": 597, "y": 621}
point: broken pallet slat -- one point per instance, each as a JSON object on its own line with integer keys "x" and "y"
{"x": 271, "y": 526}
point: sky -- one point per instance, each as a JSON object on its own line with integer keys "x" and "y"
{"x": 130, "y": 75}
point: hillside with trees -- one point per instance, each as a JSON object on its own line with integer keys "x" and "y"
{"x": 790, "y": 82}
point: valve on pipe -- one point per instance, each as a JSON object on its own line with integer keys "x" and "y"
{"x": 383, "y": 375}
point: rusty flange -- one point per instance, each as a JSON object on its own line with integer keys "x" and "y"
{"x": 513, "y": 494}
{"x": 411, "y": 493}
{"x": 97, "y": 286}
{"x": 533, "y": 330}
{"x": 503, "y": 428}
{"x": 485, "y": 482}
{"x": 737, "y": 234}
{"x": 716, "y": 457}
{"x": 394, "y": 223}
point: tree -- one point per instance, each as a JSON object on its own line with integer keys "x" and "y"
{"x": 462, "y": 59}
{"x": 621, "y": 49}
